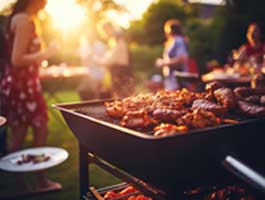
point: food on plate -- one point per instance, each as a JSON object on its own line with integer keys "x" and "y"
{"x": 250, "y": 109}
{"x": 30, "y": 158}
{"x": 226, "y": 97}
{"x": 209, "y": 106}
{"x": 199, "y": 118}
{"x": 169, "y": 129}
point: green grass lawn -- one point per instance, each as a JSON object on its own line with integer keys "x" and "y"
{"x": 66, "y": 173}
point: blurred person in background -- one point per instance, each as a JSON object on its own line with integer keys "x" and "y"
{"x": 116, "y": 59}
{"x": 175, "y": 55}
{"x": 20, "y": 88}
{"x": 94, "y": 86}
{"x": 254, "y": 49}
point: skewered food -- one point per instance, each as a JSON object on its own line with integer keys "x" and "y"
{"x": 199, "y": 118}
{"x": 35, "y": 159}
{"x": 169, "y": 129}
{"x": 251, "y": 110}
{"x": 226, "y": 97}
{"x": 209, "y": 106}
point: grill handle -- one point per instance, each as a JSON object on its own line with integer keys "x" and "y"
{"x": 244, "y": 172}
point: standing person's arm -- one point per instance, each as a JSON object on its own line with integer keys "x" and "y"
{"x": 23, "y": 29}
{"x": 181, "y": 56}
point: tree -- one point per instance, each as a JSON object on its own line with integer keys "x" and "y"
{"x": 150, "y": 28}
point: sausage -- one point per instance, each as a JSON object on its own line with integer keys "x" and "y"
{"x": 226, "y": 97}
{"x": 253, "y": 99}
{"x": 209, "y": 106}
{"x": 250, "y": 109}
{"x": 167, "y": 115}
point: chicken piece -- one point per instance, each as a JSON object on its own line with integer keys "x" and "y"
{"x": 250, "y": 109}
{"x": 262, "y": 100}
{"x": 137, "y": 119}
{"x": 212, "y": 86}
{"x": 114, "y": 110}
{"x": 209, "y": 106}
{"x": 199, "y": 119}
{"x": 169, "y": 129}
{"x": 168, "y": 115}
{"x": 226, "y": 97}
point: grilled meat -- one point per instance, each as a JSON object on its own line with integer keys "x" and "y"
{"x": 169, "y": 129}
{"x": 199, "y": 118}
{"x": 168, "y": 115}
{"x": 137, "y": 119}
{"x": 253, "y": 99}
{"x": 243, "y": 92}
{"x": 251, "y": 110}
{"x": 212, "y": 86}
{"x": 226, "y": 97}
{"x": 209, "y": 106}
{"x": 114, "y": 109}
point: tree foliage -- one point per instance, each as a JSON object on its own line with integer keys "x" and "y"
{"x": 150, "y": 28}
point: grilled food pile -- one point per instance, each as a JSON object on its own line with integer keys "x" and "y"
{"x": 172, "y": 112}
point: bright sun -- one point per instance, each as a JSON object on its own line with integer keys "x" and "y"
{"x": 66, "y": 14}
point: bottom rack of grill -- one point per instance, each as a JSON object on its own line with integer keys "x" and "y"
{"x": 125, "y": 191}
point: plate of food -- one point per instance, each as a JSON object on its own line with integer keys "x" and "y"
{"x": 33, "y": 159}
{"x": 2, "y": 121}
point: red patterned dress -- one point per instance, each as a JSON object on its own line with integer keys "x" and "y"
{"x": 21, "y": 91}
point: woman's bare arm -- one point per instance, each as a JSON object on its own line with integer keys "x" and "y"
{"x": 23, "y": 29}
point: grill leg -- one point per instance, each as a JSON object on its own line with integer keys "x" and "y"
{"x": 83, "y": 171}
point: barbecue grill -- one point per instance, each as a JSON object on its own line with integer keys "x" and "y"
{"x": 171, "y": 163}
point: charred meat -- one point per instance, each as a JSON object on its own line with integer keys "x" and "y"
{"x": 209, "y": 106}
{"x": 226, "y": 97}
